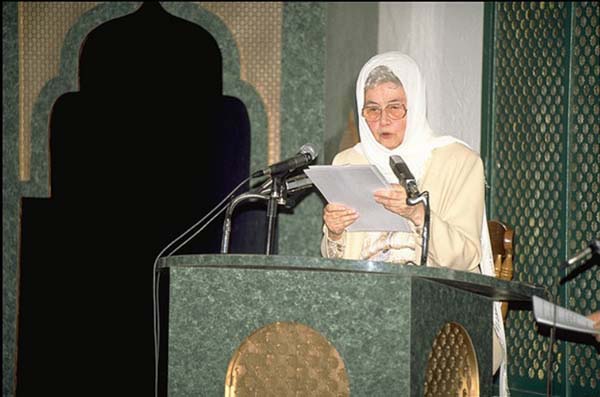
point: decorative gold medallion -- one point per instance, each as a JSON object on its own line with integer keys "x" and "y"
{"x": 452, "y": 368}
{"x": 286, "y": 359}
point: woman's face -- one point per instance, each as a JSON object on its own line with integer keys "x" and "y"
{"x": 387, "y": 131}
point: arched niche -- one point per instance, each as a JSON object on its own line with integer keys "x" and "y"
{"x": 114, "y": 203}
{"x": 67, "y": 81}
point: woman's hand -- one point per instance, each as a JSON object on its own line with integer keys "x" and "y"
{"x": 394, "y": 200}
{"x": 337, "y": 218}
{"x": 595, "y": 317}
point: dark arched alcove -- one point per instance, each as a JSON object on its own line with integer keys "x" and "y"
{"x": 145, "y": 149}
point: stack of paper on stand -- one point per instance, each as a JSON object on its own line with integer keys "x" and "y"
{"x": 548, "y": 313}
{"x": 353, "y": 186}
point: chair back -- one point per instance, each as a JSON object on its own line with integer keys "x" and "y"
{"x": 501, "y": 237}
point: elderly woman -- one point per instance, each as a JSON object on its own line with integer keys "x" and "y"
{"x": 390, "y": 94}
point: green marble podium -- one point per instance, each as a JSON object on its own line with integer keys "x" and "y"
{"x": 381, "y": 318}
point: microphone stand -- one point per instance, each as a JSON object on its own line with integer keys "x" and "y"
{"x": 408, "y": 181}
{"x": 230, "y": 208}
{"x": 423, "y": 198}
{"x": 275, "y": 196}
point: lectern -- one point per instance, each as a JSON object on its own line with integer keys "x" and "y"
{"x": 276, "y": 325}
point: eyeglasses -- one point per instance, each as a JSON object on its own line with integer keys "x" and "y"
{"x": 395, "y": 111}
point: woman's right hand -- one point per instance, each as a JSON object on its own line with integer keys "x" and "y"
{"x": 337, "y": 218}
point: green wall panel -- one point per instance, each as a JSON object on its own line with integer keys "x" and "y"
{"x": 541, "y": 143}
{"x": 10, "y": 194}
{"x": 302, "y": 115}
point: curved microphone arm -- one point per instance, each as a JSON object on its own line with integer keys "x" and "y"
{"x": 423, "y": 198}
{"x": 276, "y": 192}
{"x": 228, "y": 214}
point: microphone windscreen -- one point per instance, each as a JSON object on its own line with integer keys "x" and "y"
{"x": 309, "y": 149}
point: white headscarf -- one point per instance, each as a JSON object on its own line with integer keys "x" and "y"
{"x": 419, "y": 141}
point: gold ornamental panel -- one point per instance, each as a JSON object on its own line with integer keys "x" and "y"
{"x": 256, "y": 29}
{"x": 452, "y": 366}
{"x": 43, "y": 27}
{"x": 286, "y": 359}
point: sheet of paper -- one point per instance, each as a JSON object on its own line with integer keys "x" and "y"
{"x": 353, "y": 186}
{"x": 543, "y": 311}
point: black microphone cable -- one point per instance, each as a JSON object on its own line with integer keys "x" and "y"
{"x": 156, "y": 277}
{"x": 556, "y": 301}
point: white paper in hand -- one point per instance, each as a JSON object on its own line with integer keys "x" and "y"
{"x": 353, "y": 186}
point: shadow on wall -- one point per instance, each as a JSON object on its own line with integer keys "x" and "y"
{"x": 144, "y": 150}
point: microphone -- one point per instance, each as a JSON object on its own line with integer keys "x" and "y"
{"x": 408, "y": 181}
{"x": 406, "y": 178}
{"x": 306, "y": 154}
{"x": 592, "y": 248}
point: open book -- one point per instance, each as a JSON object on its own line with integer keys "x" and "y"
{"x": 353, "y": 186}
{"x": 550, "y": 314}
